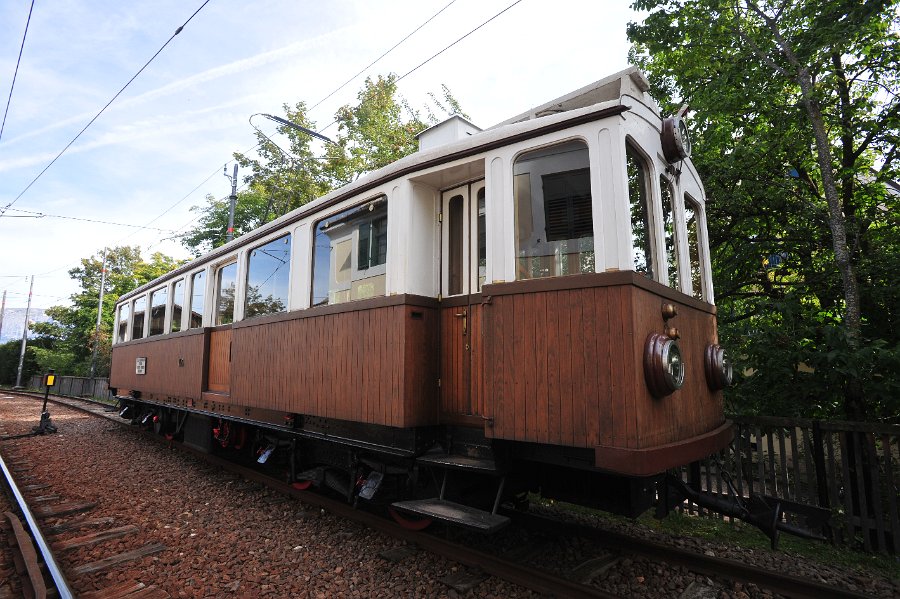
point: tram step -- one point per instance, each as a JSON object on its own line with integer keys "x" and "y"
{"x": 448, "y": 511}
{"x": 459, "y": 462}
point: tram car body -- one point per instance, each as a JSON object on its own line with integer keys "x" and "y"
{"x": 527, "y": 308}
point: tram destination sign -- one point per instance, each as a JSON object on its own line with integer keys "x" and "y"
{"x": 140, "y": 365}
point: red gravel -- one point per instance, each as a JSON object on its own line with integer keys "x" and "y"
{"x": 228, "y": 538}
{"x": 221, "y": 542}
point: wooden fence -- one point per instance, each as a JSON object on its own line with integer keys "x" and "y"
{"x": 851, "y": 469}
{"x": 74, "y": 386}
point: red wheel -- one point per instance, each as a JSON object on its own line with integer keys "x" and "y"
{"x": 302, "y": 485}
{"x": 409, "y": 523}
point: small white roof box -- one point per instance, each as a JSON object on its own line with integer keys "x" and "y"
{"x": 453, "y": 129}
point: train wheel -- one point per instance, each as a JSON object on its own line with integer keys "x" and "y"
{"x": 302, "y": 485}
{"x": 408, "y": 523}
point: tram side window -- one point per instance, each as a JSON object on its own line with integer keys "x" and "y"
{"x": 638, "y": 198}
{"x": 267, "y": 278}
{"x": 158, "y": 300}
{"x": 226, "y": 277}
{"x": 668, "y": 207}
{"x": 124, "y": 311}
{"x": 198, "y": 293}
{"x": 554, "y": 223}
{"x": 482, "y": 240}
{"x": 137, "y": 323}
{"x": 350, "y": 254}
{"x": 691, "y": 216}
{"x": 177, "y": 303}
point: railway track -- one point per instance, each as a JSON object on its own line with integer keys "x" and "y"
{"x": 34, "y": 541}
{"x": 514, "y": 566}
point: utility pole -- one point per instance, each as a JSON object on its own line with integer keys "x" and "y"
{"x": 24, "y": 335}
{"x": 2, "y": 311}
{"x": 230, "y": 235}
{"x": 99, "y": 314}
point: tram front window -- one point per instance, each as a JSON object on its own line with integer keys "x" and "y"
{"x": 554, "y": 219}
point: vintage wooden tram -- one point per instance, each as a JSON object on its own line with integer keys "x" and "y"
{"x": 527, "y": 308}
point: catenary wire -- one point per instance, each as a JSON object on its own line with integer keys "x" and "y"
{"x": 34, "y": 214}
{"x": 427, "y": 60}
{"x": 16, "y": 72}
{"x": 394, "y": 47}
{"x": 102, "y": 110}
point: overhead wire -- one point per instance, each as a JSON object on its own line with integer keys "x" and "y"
{"x": 16, "y": 72}
{"x": 394, "y": 47}
{"x": 427, "y": 60}
{"x": 34, "y": 214}
{"x": 176, "y": 231}
{"x": 102, "y": 110}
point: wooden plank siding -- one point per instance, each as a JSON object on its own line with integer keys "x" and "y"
{"x": 219, "y": 364}
{"x": 564, "y": 366}
{"x": 373, "y": 364}
{"x": 165, "y": 374}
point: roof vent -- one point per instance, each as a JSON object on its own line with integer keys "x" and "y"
{"x": 453, "y": 129}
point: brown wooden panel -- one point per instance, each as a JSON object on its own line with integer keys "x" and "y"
{"x": 565, "y": 366}
{"x": 174, "y": 365}
{"x": 219, "y": 361}
{"x": 373, "y": 365}
{"x": 476, "y": 359}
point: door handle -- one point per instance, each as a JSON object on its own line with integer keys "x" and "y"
{"x": 464, "y": 314}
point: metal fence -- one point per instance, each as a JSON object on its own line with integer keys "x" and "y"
{"x": 75, "y": 386}
{"x": 851, "y": 469}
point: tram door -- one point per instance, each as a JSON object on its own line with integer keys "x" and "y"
{"x": 463, "y": 261}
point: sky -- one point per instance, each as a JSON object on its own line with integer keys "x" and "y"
{"x": 160, "y": 147}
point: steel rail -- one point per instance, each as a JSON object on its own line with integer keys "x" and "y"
{"x": 53, "y": 568}
{"x": 791, "y": 586}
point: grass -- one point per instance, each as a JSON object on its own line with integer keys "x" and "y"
{"x": 749, "y": 537}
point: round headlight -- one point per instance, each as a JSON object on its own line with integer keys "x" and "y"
{"x": 675, "y": 138}
{"x": 718, "y": 367}
{"x": 663, "y": 365}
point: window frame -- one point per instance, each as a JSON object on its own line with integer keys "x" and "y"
{"x": 217, "y": 290}
{"x": 595, "y": 237}
{"x": 144, "y": 327}
{"x": 284, "y": 233}
{"x": 173, "y": 285}
{"x": 165, "y": 308}
{"x": 652, "y": 252}
{"x": 352, "y": 236}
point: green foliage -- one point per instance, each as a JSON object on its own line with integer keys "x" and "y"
{"x": 9, "y": 362}
{"x": 67, "y": 343}
{"x": 378, "y": 130}
{"x": 781, "y": 292}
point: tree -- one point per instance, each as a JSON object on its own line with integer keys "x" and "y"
{"x": 378, "y": 130}
{"x": 796, "y": 127}
{"x": 68, "y": 341}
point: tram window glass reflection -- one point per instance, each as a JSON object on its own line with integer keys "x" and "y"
{"x": 691, "y": 217}
{"x": 177, "y": 303}
{"x": 124, "y": 312}
{"x": 554, "y": 222}
{"x": 668, "y": 208}
{"x": 226, "y": 278}
{"x": 268, "y": 270}
{"x": 638, "y": 196}
{"x": 198, "y": 293}
{"x": 158, "y": 300}
{"x": 482, "y": 239}
{"x": 350, "y": 254}
{"x": 137, "y": 323}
